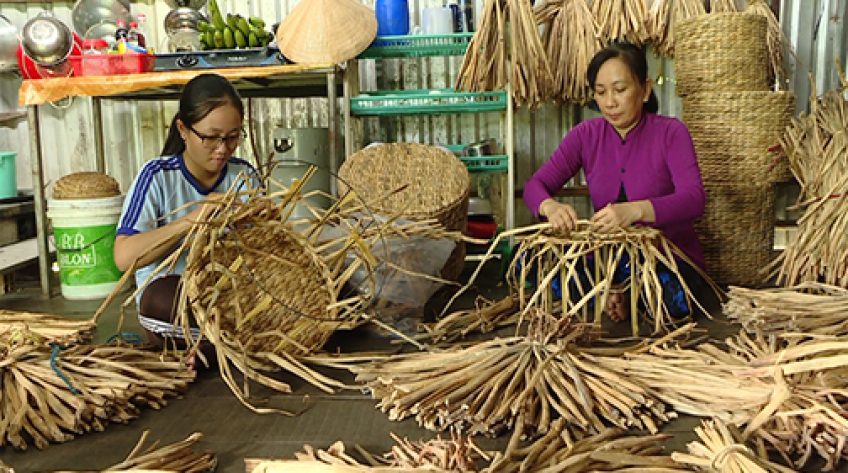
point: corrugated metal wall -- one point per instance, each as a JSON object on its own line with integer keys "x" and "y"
{"x": 134, "y": 130}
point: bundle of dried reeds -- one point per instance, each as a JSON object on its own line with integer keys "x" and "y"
{"x": 456, "y": 455}
{"x": 178, "y": 457}
{"x": 4, "y": 468}
{"x": 571, "y": 39}
{"x": 487, "y": 386}
{"x": 809, "y": 308}
{"x": 720, "y": 449}
{"x": 817, "y": 148}
{"x": 609, "y": 450}
{"x": 507, "y": 45}
{"x": 663, "y": 17}
{"x": 788, "y": 392}
{"x": 484, "y": 318}
{"x": 775, "y": 40}
{"x": 621, "y": 20}
{"x": 568, "y": 257}
{"x": 50, "y": 394}
{"x": 51, "y": 328}
{"x": 723, "y": 6}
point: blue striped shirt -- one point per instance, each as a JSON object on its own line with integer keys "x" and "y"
{"x": 163, "y": 186}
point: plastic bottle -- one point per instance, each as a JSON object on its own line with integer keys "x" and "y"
{"x": 136, "y": 35}
{"x": 121, "y": 36}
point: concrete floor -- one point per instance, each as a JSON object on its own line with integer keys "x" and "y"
{"x": 233, "y": 431}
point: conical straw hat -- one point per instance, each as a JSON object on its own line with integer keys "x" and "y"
{"x": 326, "y": 31}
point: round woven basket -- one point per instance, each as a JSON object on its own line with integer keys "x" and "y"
{"x": 721, "y": 51}
{"x": 736, "y": 134}
{"x": 417, "y": 181}
{"x": 737, "y": 233}
{"x": 263, "y": 287}
{"x": 86, "y": 185}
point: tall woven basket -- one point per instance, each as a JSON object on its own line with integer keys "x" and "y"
{"x": 736, "y": 133}
{"x": 417, "y": 181}
{"x": 737, "y": 233}
{"x": 721, "y": 51}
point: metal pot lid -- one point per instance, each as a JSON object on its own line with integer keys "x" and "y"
{"x": 46, "y": 40}
{"x": 8, "y": 45}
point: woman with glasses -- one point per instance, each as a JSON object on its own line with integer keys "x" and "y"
{"x": 196, "y": 164}
{"x": 640, "y": 168}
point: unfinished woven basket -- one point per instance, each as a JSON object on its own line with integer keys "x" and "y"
{"x": 737, "y": 233}
{"x": 721, "y": 51}
{"x": 263, "y": 289}
{"x": 86, "y": 185}
{"x": 418, "y": 181}
{"x": 734, "y": 132}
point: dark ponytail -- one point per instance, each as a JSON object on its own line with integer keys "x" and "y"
{"x": 200, "y": 96}
{"x": 636, "y": 61}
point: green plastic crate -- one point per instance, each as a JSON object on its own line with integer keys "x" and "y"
{"x": 420, "y": 45}
{"x": 429, "y": 101}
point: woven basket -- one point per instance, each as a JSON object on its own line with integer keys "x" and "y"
{"x": 737, "y": 233}
{"x": 733, "y": 133}
{"x": 86, "y": 185}
{"x": 264, "y": 289}
{"x": 417, "y": 181}
{"x": 721, "y": 51}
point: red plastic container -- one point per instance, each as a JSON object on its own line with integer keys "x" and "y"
{"x": 111, "y": 64}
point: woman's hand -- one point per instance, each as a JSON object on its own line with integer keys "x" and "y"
{"x": 561, "y": 216}
{"x": 620, "y": 215}
{"x": 204, "y": 208}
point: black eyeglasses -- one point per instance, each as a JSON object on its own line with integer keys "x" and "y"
{"x": 213, "y": 142}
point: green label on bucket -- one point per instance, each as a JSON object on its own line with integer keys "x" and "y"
{"x": 85, "y": 255}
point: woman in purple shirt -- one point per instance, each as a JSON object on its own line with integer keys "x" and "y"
{"x": 640, "y": 167}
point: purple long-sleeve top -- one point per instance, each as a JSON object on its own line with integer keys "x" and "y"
{"x": 656, "y": 162}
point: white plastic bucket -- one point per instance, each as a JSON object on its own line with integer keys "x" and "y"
{"x": 84, "y": 231}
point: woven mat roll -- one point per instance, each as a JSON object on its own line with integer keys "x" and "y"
{"x": 414, "y": 180}
{"x": 721, "y": 51}
{"x": 733, "y": 133}
{"x": 86, "y": 185}
{"x": 737, "y": 233}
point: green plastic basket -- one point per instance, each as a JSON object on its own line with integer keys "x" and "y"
{"x": 411, "y": 102}
{"x": 453, "y": 44}
{"x": 491, "y": 163}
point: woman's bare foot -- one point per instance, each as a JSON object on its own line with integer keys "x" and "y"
{"x": 617, "y": 308}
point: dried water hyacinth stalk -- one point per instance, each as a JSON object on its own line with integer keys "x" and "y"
{"x": 571, "y": 39}
{"x": 776, "y": 42}
{"x": 567, "y": 257}
{"x": 178, "y": 457}
{"x": 789, "y": 393}
{"x": 485, "y": 317}
{"x": 817, "y": 147}
{"x": 507, "y": 48}
{"x": 621, "y": 20}
{"x": 51, "y": 395}
{"x": 720, "y": 449}
{"x": 723, "y": 6}
{"x": 663, "y": 18}
{"x": 485, "y": 387}
{"x": 51, "y": 328}
{"x": 4, "y": 468}
{"x": 609, "y": 450}
{"x": 809, "y": 308}
{"x": 484, "y": 66}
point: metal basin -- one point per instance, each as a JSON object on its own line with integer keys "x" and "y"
{"x": 8, "y": 45}
{"x": 193, "y": 4}
{"x": 98, "y": 18}
{"x": 182, "y": 19}
{"x": 46, "y": 40}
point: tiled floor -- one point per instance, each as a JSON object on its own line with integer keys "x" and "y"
{"x": 234, "y": 432}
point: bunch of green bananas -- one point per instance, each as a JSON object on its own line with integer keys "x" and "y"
{"x": 236, "y": 32}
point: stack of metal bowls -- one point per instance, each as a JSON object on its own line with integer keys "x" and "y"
{"x": 99, "y": 18}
